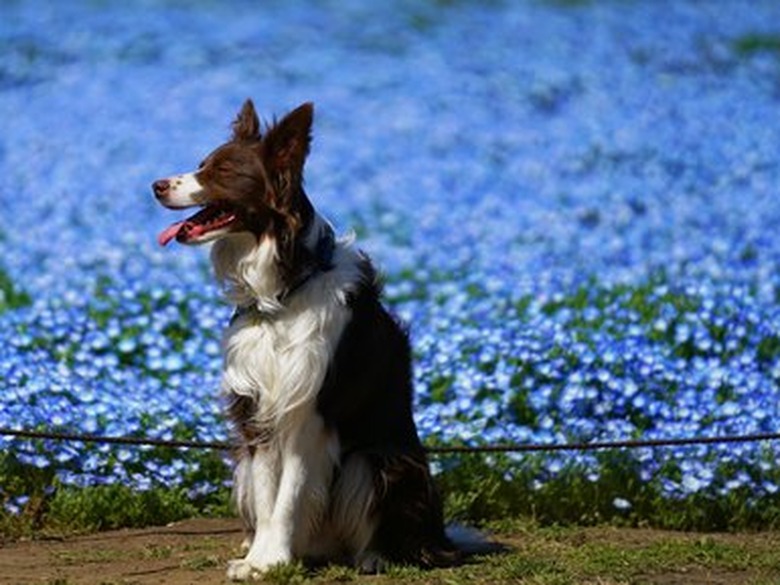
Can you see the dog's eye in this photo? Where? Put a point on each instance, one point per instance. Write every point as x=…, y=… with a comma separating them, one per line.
x=202, y=164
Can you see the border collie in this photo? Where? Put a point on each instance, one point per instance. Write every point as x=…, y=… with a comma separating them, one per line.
x=317, y=374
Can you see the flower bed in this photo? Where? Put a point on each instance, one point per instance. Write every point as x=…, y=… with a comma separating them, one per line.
x=575, y=207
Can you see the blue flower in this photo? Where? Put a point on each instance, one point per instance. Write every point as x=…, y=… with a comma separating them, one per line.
x=573, y=264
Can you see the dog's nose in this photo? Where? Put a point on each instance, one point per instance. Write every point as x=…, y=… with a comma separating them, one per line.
x=161, y=187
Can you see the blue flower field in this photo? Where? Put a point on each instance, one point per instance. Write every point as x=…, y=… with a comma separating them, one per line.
x=575, y=204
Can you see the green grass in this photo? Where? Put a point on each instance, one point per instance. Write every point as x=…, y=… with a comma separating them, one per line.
x=11, y=296
x=74, y=511
x=751, y=44
x=476, y=491
x=201, y=562
x=568, y=556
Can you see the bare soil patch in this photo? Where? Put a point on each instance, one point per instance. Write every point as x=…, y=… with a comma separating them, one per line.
x=192, y=551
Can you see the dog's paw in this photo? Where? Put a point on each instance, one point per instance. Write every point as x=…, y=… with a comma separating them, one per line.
x=242, y=570
x=255, y=565
x=371, y=563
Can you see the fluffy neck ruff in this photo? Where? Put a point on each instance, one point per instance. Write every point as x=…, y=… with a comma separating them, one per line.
x=254, y=275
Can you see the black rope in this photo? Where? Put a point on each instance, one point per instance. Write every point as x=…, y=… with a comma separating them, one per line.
x=138, y=441
x=606, y=445
x=434, y=450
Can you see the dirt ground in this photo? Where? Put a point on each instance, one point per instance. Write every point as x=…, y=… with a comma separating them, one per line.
x=196, y=551
x=192, y=551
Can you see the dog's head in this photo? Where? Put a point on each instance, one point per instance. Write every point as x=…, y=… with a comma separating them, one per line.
x=252, y=183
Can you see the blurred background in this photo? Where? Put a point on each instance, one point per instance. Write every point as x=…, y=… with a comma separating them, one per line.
x=574, y=203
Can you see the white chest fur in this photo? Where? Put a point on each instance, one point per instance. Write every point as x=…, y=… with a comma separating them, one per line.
x=282, y=362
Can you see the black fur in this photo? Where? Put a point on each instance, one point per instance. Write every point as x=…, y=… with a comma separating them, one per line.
x=367, y=398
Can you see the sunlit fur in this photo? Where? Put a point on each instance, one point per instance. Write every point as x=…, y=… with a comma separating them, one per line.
x=317, y=375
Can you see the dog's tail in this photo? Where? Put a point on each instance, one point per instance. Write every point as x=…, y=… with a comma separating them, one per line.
x=469, y=541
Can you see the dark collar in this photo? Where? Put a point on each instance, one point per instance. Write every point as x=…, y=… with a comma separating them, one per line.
x=322, y=262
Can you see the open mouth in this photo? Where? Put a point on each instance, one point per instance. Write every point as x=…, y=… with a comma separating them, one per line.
x=197, y=228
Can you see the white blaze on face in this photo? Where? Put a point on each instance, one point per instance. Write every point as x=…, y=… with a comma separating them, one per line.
x=183, y=191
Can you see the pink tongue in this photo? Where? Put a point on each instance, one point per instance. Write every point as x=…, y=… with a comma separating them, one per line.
x=169, y=233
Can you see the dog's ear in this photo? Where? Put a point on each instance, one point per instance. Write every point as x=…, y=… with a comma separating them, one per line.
x=287, y=142
x=246, y=126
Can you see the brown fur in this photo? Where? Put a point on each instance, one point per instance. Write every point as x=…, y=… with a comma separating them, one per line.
x=260, y=177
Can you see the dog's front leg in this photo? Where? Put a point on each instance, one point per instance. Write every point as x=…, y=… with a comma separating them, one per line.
x=256, y=482
x=308, y=454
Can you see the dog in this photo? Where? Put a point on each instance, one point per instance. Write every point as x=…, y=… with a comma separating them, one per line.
x=317, y=375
